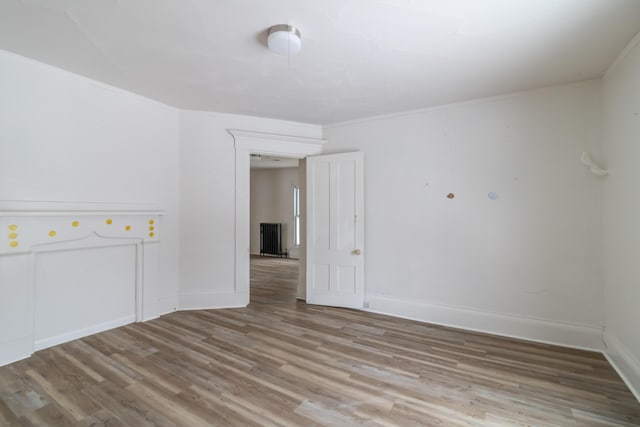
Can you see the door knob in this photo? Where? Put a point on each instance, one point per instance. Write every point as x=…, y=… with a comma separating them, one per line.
x=356, y=252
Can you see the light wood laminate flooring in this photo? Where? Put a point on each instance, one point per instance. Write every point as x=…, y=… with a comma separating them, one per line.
x=273, y=280
x=281, y=362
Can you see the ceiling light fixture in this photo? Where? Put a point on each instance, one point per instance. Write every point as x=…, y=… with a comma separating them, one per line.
x=284, y=39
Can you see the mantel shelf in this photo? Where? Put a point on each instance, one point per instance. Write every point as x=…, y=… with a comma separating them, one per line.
x=57, y=208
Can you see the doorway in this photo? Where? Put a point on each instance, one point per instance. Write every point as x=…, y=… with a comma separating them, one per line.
x=247, y=142
x=274, y=227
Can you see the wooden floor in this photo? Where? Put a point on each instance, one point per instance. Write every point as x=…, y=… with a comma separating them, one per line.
x=273, y=280
x=278, y=362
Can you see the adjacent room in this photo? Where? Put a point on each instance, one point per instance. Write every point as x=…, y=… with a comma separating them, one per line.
x=274, y=206
x=319, y=213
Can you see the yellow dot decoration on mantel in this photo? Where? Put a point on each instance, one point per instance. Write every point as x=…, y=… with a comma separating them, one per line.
x=128, y=228
x=151, y=228
x=109, y=221
x=151, y=222
x=13, y=235
x=75, y=223
x=151, y=234
x=52, y=233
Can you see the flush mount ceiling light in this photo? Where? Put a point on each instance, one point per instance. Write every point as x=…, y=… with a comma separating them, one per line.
x=284, y=39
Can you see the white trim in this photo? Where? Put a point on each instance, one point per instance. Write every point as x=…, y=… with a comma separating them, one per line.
x=624, y=362
x=247, y=142
x=91, y=240
x=622, y=55
x=167, y=305
x=49, y=208
x=14, y=350
x=80, y=333
x=585, y=337
x=204, y=300
x=276, y=145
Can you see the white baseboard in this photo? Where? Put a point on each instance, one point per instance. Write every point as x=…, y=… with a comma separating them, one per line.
x=167, y=305
x=624, y=362
x=79, y=333
x=150, y=311
x=203, y=300
x=15, y=350
x=586, y=337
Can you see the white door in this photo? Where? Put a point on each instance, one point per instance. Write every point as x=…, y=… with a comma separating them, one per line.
x=335, y=230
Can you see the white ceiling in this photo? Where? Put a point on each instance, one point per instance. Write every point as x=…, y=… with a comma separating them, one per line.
x=359, y=57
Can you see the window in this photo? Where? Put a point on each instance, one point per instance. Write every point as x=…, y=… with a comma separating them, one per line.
x=296, y=216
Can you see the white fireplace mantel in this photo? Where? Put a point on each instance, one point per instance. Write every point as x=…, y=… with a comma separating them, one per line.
x=71, y=269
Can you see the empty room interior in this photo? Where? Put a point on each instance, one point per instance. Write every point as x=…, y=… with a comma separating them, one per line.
x=320, y=213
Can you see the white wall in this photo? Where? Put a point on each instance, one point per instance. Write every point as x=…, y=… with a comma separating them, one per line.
x=528, y=264
x=208, y=197
x=272, y=201
x=622, y=213
x=68, y=138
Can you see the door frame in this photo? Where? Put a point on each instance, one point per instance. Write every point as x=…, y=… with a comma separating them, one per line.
x=268, y=144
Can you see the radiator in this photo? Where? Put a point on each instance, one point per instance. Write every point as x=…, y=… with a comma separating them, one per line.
x=271, y=239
